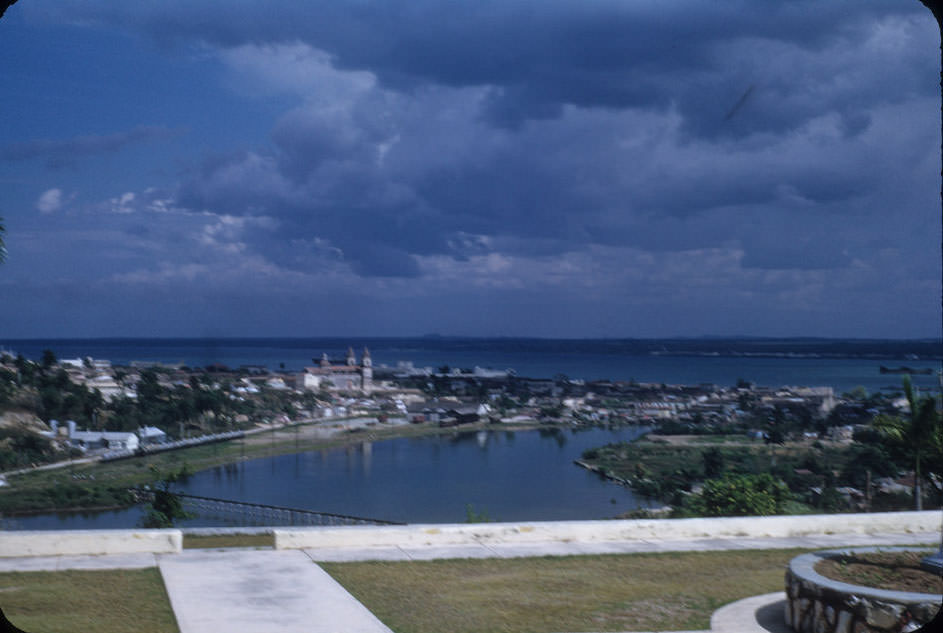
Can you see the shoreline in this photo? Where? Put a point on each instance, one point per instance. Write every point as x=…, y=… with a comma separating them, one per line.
x=285, y=440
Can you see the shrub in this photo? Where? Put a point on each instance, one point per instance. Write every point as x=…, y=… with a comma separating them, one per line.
x=741, y=495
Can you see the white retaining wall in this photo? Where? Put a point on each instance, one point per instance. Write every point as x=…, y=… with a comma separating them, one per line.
x=590, y=531
x=89, y=542
x=97, y=542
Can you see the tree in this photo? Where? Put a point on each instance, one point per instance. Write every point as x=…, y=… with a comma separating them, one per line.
x=25, y=371
x=7, y=385
x=775, y=436
x=713, y=462
x=49, y=359
x=164, y=510
x=866, y=458
x=858, y=393
x=742, y=495
x=472, y=516
x=831, y=501
x=918, y=436
x=166, y=506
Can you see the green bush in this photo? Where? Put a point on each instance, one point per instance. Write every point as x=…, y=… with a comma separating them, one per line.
x=740, y=495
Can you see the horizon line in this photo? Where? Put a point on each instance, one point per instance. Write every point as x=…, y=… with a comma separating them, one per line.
x=704, y=337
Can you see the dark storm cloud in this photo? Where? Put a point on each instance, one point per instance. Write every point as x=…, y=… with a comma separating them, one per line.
x=555, y=185
x=814, y=256
x=383, y=261
x=65, y=152
x=238, y=183
x=699, y=57
x=576, y=154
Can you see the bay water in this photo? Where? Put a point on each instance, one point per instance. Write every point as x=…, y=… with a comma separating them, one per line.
x=506, y=475
x=775, y=362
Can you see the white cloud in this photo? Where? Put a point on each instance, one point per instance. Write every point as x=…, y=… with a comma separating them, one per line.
x=49, y=201
x=123, y=203
x=295, y=69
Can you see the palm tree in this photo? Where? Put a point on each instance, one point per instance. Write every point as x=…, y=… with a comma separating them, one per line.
x=919, y=435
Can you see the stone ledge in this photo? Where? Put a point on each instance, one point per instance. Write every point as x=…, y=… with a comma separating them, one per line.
x=816, y=604
x=803, y=567
x=89, y=542
x=594, y=531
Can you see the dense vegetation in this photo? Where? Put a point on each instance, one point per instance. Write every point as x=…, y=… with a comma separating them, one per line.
x=681, y=475
x=21, y=447
x=46, y=390
x=721, y=471
x=204, y=403
x=43, y=391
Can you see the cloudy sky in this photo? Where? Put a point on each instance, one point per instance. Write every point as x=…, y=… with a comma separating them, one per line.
x=553, y=168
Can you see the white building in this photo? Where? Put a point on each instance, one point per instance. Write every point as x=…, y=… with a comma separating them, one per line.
x=112, y=440
x=151, y=435
x=349, y=376
x=106, y=385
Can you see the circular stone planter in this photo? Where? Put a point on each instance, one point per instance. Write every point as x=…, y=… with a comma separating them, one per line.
x=816, y=604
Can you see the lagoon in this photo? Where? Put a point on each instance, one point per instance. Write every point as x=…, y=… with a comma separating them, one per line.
x=507, y=475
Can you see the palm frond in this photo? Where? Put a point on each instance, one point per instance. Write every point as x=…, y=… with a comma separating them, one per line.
x=892, y=427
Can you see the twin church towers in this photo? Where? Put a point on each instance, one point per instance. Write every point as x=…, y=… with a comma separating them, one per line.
x=349, y=376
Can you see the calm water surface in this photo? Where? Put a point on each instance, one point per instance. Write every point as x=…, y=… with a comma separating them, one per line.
x=511, y=476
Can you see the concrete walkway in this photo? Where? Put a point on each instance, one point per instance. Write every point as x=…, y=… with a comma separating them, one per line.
x=757, y=614
x=257, y=591
x=285, y=591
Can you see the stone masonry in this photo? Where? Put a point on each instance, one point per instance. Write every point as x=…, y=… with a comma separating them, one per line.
x=815, y=604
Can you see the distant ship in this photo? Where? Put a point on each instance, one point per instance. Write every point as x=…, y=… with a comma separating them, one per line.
x=906, y=370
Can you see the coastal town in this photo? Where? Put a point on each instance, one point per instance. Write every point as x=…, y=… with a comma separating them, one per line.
x=63, y=411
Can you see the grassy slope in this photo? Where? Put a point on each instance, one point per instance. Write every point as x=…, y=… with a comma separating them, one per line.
x=638, y=592
x=113, y=601
x=258, y=541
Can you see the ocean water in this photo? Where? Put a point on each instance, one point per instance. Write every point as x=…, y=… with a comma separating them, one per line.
x=769, y=362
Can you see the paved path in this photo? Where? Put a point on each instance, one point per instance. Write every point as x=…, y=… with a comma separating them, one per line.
x=257, y=591
x=757, y=614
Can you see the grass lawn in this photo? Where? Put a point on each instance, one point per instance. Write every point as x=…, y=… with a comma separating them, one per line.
x=193, y=541
x=634, y=592
x=104, y=601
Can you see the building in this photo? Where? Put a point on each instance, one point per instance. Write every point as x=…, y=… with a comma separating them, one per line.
x=91, y=440
x=106, y=385
x=151, y=435
x=347, y=376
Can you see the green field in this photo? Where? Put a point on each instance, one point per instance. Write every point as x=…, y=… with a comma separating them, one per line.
x=104, y=601
x=634, y=592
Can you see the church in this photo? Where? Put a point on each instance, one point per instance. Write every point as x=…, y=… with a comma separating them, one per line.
x=347, y=376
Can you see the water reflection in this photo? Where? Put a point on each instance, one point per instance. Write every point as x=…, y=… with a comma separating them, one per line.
x=524, y=475
x=366, y=449
x=557, y=434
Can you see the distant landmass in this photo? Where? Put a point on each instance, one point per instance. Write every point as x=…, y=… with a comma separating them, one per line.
x=796, y=347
